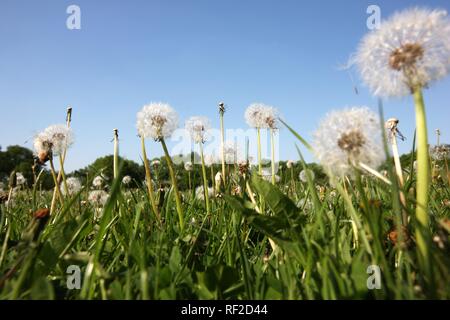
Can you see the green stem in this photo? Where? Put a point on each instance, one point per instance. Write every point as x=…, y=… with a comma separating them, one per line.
x=148, y=177
x=63, y=175
x=174, y=183
x=205, y=180
x=116, y=153
x=222, y=132
x=57, y=190
x=258, y=133
x=272, y=138
x=423, y=177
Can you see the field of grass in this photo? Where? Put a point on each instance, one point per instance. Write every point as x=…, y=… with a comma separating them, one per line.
x=292, y=240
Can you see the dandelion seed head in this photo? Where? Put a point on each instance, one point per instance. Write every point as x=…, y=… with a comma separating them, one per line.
x=53, y=140
x=157, y=121
x=347, y=137
x=441, y=152
x=303, y=176
x=198, y=128
x=73, y=186
x=410, y=49
x=98, y=182
x=126, y=180
x=20, y=179
x=270, y=116
x=290, y=164
x=200, y=193
x=98, y=197
x=156, y=163
x=188, y=166
x=255, y=115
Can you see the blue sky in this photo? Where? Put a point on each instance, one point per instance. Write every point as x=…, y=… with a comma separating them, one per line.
x=191, y=54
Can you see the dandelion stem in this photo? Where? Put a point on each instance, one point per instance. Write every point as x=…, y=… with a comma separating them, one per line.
x=63, y=174
x=174, y=183
x=57, y=190
x=205, y=180
x=148, y=177
x=423, y=177
x=258, y=133
x=272, y=138
x=116, y=153
x=222, y=135
x=374, y=172
x=399, y=171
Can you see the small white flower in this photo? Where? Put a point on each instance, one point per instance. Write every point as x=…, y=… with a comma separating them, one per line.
x=188, y=166
x=303, y=175
x=290, y=164
x=98, y=182
x=156, y=163
x=349, y=137
x=200, y=194
x=410, y=49
x=55, y=139
x=126, y=180
x=305, y=204
x=73, y=186
x=98, y=197
x=20, y=179
x=157, y=121
x=198, y=128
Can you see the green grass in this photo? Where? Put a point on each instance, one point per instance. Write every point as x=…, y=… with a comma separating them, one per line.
x=268, y=249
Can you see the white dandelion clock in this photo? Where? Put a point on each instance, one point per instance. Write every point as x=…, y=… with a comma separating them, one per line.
x=348, y=138
x=270, y=116
x=198, y=128
x=98, y=197
x=290, y=164
x=303, y=176
x=53, y=141
x=188, y=166
x=200, y=193
x=73, y=186
x=98, y=182
x=126, y=180
x=255, y=115
x=20, y=179
x=157, y=121
x=155, y=164
x=61, y=138
x=409, y=50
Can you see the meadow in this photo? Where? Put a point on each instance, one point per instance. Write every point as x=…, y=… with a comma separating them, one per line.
x=363, y=223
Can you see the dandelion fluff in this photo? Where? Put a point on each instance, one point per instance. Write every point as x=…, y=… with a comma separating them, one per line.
x=55, y=139
x=157, y=121
x=198, y=128
x=348, y=137
x=410, y=49
x=303, y=175
x=73, y=186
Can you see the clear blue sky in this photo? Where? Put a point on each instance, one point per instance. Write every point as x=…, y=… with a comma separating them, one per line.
x=191, y=54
